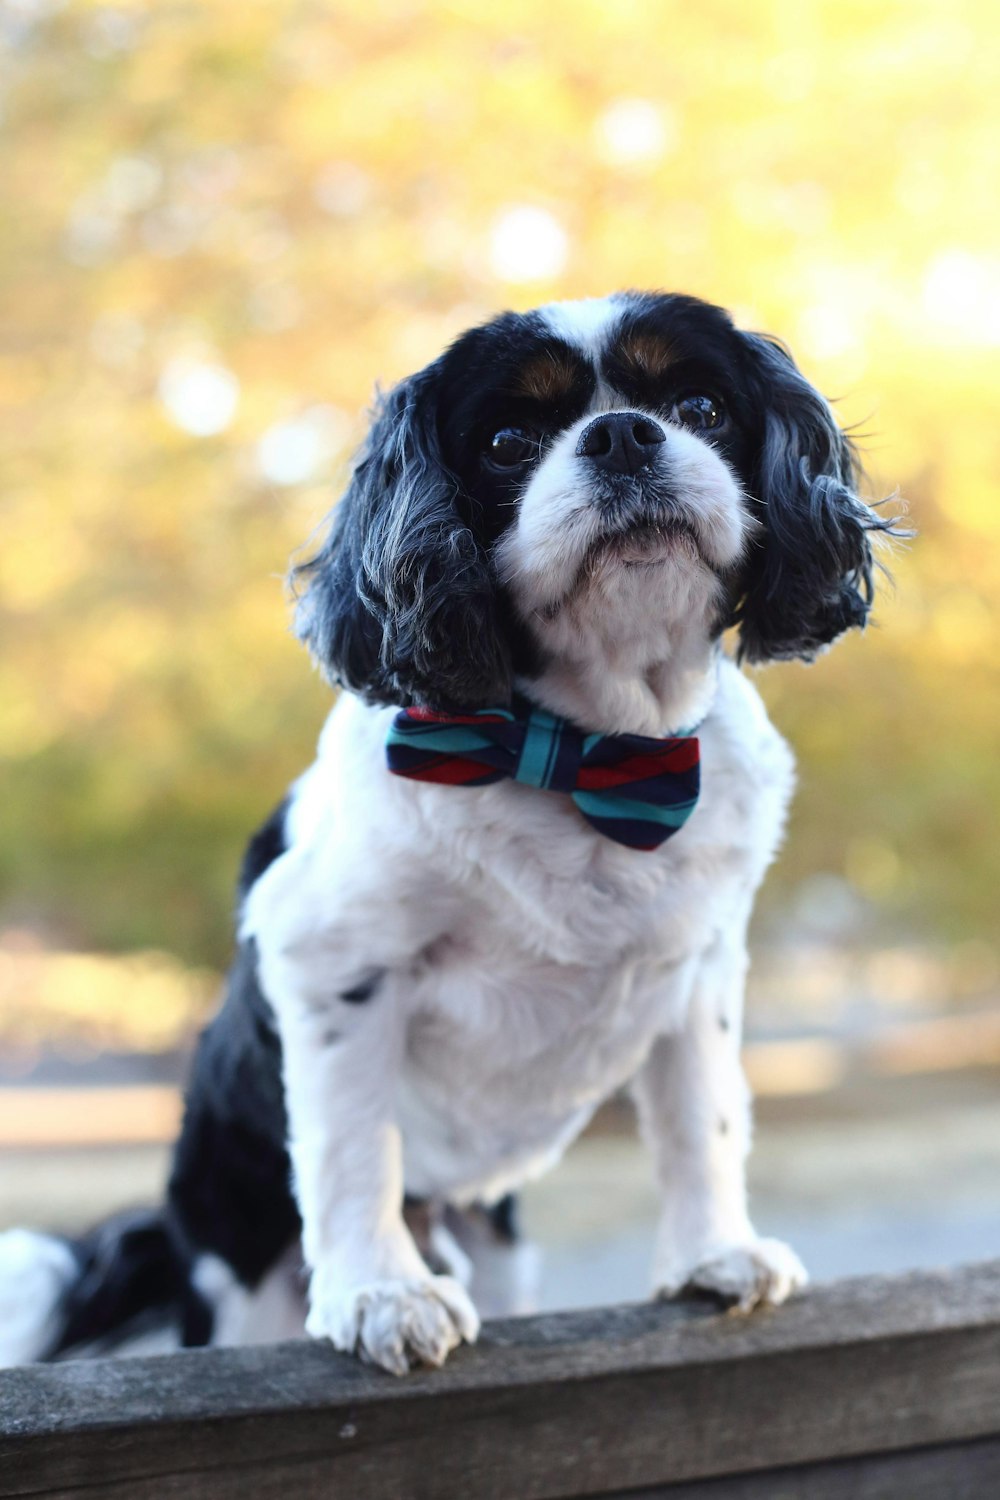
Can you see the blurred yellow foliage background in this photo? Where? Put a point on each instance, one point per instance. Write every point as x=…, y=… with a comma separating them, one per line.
x=223, y=222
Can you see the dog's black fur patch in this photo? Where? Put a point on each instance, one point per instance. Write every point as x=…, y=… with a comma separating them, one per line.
x=229, y=1192
x=264, y=848
x=364, y=989
x=504, y=1216
x=132, y=1278
x=230, y=1188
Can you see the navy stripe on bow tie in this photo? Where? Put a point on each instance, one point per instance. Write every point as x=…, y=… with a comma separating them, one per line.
x=634, y=789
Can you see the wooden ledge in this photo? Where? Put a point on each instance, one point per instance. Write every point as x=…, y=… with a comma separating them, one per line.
x=872, y=1387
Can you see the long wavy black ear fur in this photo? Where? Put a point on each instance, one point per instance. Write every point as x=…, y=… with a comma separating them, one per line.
x=809, y=570
x=399, y=604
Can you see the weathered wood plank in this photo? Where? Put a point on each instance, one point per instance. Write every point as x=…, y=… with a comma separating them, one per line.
x=581, y=1404
x=957, y=1471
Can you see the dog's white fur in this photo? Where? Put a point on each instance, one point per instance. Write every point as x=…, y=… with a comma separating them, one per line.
x=527, y=966
x=35, y=1270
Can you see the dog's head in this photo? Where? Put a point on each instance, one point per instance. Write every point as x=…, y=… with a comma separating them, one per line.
x=603, y=476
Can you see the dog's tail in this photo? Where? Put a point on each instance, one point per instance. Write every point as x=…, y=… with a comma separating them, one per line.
x=124, y=1282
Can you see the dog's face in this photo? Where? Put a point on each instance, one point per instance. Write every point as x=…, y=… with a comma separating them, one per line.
x=602, y=476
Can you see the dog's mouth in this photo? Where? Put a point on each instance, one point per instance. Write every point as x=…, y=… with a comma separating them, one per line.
x=646, y=543
x=649, y=543
x=642, y=522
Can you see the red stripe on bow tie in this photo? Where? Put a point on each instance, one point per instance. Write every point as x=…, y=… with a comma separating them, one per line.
x=446, y=770
x=680, y=757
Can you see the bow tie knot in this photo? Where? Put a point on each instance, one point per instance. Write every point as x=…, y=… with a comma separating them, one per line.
x=634, y=789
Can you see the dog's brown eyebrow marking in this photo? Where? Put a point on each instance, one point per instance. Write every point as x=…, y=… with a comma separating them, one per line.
x=644, y=352
x=550, y=375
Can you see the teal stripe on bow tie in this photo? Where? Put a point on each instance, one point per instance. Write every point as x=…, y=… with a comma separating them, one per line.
x=541, y=736
x=600, y=805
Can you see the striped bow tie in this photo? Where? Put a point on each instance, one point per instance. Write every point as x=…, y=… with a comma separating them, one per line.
x=635, y=790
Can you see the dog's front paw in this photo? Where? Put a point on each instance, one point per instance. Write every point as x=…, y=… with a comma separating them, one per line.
x=758, y=1271
x=396, y=1324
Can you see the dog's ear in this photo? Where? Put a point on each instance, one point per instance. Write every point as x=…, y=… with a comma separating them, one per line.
x=808, y=573
x=399, y=604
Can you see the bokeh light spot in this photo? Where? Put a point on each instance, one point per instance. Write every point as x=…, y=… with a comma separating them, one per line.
x=342, y=189
x=632, y=132
x=199, y=397
x=961, y=296
x=527, y=244
x=294, y=452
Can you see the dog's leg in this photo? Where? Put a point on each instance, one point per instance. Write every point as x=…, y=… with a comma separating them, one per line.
x=370, y=1291
x=342, y=1028
x=505, y=1269
x=694, y=1106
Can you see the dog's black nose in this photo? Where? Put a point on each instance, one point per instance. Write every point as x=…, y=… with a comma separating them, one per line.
x=622, y=441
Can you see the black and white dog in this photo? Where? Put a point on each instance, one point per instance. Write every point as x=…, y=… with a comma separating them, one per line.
x=436, y=985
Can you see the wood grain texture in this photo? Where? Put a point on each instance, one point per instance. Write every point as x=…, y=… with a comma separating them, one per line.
x=582, y=1404
x=957, y=1471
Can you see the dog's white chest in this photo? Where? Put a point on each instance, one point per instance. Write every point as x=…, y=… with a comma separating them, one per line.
x=543, y=997
x=530, y=961
x=508, y=1054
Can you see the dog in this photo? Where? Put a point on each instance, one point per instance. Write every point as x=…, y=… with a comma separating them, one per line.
x=546, y=536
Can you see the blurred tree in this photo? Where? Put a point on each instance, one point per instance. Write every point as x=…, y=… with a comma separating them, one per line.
x=225, y=221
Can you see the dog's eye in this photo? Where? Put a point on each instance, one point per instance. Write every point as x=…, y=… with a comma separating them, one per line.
x=699, y=412
x=511, y=446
